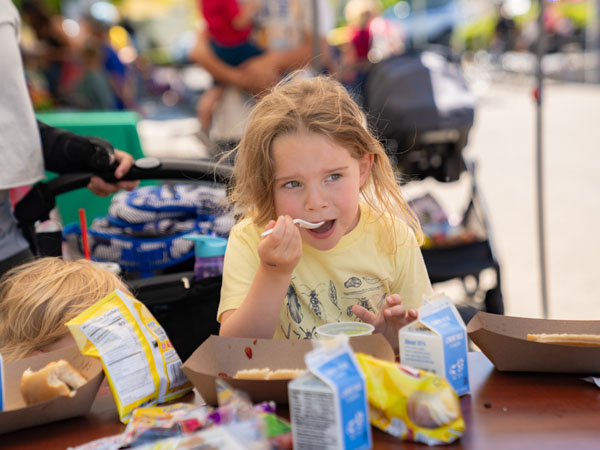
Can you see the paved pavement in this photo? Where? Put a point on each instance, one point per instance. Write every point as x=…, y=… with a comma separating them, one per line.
x=503, y=141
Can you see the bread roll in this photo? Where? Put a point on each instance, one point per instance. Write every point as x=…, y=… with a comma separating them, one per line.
x=585, y=340
x=433, y=410
x=58, y=378
x=284, y=374
x=267, y=374
x=252, y=374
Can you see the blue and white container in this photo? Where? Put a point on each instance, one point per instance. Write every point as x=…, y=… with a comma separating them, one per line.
x=328, y=404
x=437, y=342
x=210, y=254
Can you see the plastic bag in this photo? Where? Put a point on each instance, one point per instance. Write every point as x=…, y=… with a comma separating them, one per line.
x=139, y=361
x=411, y=404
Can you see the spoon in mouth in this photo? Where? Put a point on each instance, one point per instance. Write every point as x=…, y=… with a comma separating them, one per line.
x=300, y=222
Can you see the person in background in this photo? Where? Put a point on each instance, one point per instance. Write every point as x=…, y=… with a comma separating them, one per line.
x=505, y=32
x=118, y=74
x=39, y=297
x=307, y=153
x=93, y=91
x=354, y=62
x=56, y=50
x=285, y=31
x=27, y=147
x=228, y=25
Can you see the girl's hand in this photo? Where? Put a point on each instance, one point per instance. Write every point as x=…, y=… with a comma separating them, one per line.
x=281, y=250
x=389, y=320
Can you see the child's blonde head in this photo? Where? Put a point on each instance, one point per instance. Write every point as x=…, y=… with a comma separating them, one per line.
x=318, y=105
x=37, y=298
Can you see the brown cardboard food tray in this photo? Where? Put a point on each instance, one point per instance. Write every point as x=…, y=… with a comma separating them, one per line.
x=18, y=415
x=503, y=339
x=224, y=356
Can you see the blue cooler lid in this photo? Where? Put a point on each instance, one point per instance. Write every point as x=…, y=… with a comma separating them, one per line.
x=207, y=246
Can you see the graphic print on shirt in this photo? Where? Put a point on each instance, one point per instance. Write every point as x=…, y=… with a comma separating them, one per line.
x=315, y=302
x=306, y=334
x=370, y=294
x=308, y=306
x=293, y=304
x=333, y=294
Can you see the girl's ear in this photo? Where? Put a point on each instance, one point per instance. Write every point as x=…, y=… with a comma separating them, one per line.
x=365, y=165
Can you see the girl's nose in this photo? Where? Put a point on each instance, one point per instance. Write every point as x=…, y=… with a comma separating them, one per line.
x=315, y=200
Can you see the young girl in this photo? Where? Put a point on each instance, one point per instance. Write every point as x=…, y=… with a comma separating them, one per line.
x=307, y=154
x=38, y=298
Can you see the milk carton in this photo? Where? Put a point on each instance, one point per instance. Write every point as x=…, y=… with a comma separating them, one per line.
x=328, y=403
x=437, y=342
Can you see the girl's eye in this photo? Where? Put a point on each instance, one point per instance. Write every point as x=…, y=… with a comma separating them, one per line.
x=291, y=184
x=334, y=176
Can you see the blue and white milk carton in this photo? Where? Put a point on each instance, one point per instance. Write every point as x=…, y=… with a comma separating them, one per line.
x=437, y=342
x=328, y=403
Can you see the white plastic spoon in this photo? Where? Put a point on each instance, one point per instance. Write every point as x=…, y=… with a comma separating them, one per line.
x=302, y=223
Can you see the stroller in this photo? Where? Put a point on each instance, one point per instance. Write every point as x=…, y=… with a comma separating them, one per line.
x=184, y=306
x=421, y=107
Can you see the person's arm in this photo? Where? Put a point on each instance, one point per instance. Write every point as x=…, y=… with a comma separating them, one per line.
x=203, y=55
x=258, y=315
x=262, y=75
x=67, y=152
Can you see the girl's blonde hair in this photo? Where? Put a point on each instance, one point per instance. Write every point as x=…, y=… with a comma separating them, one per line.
x=39, y=297
x=318, y=105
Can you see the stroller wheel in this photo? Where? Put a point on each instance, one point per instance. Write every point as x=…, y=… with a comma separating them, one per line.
x=494, y=302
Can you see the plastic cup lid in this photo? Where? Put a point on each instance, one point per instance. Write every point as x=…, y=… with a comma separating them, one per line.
x=207, y=246
x=348, y=328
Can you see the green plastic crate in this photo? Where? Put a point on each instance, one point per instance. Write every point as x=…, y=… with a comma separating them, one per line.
x=119, y=128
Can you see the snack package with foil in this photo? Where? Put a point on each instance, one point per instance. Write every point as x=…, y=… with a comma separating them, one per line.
x=155, y=423
x=236, y=407
x=410, y=403
x=139, y=361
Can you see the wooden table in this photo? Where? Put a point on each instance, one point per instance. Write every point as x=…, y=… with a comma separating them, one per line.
x=504, y=411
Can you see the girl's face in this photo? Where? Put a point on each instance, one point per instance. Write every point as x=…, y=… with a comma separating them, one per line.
x=317, y=180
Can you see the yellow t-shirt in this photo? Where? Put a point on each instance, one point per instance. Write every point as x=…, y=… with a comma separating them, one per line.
x=326, y=284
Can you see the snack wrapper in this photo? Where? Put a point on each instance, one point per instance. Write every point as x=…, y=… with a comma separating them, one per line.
x=411, y=404
x=235, y=425
x=140, y=363
x=155, y=423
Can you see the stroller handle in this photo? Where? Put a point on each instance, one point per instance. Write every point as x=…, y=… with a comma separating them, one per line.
x=147, y=169
x=38, y=203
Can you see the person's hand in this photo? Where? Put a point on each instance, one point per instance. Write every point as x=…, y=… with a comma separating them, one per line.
x=100, y=187
x=281, y=250
x=390, y=318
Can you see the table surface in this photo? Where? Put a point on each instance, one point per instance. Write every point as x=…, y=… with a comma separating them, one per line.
x=504, y=411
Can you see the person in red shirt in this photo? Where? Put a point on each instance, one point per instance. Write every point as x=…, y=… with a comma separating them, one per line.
x=355, y=62
x=228, y=25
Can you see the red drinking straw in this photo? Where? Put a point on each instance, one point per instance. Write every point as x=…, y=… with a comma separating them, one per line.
x=84, y=234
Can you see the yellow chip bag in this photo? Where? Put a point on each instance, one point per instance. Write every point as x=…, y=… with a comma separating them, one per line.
x=411, y=404
x=139, y=361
